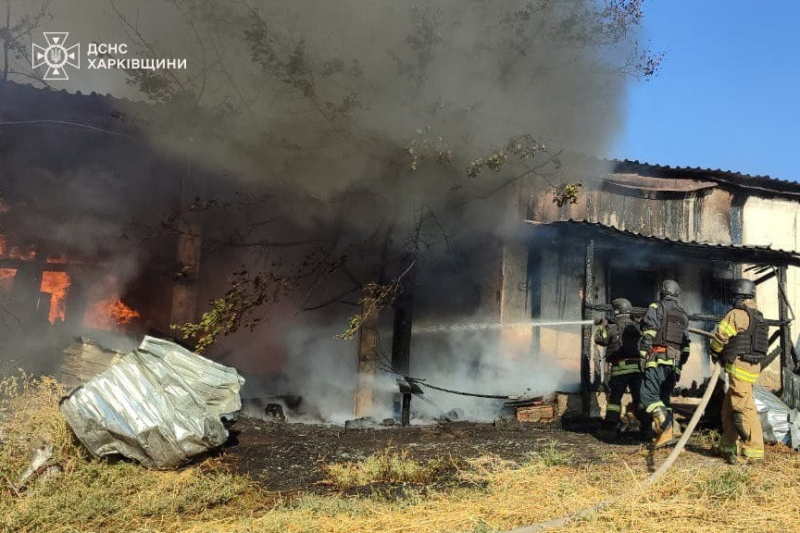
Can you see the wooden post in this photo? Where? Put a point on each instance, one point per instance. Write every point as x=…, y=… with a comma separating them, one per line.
x=187, y=257
x=405, y=417
x=783, y=315
x=367, y=355
x=586, y=338
x=789, y=380
x=516, y=344
x=401, y=344
x=403, y=320
x=184, y=292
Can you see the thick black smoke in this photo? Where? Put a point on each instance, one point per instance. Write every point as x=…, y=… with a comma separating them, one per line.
x=340, y=133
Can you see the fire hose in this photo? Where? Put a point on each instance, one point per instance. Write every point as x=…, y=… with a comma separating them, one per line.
x=666, y=465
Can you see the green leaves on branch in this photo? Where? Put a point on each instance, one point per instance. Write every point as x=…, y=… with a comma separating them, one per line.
x=233, y=311
x=375, y=298
x=567, y=193
x=518, y=148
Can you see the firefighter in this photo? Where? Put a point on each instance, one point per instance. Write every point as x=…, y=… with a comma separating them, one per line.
x=620, y=337
x=740, y=341
x=664, y=346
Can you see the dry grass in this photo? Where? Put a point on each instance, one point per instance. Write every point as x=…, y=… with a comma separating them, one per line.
x=700, y=494
x=95, y=495
x=387, y=467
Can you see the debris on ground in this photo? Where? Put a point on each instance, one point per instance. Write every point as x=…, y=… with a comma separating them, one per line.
x=366, y=422
x=274, y=412
x=161, y=405
x=779, y=422
x=42, y=454
x=83, y=360
x=277, y=408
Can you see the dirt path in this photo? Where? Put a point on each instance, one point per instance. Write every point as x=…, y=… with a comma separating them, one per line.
x=288, y=457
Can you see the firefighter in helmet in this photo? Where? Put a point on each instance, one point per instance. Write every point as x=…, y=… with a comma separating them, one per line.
x=740, y=341
x=665, y=348
x=620, y=337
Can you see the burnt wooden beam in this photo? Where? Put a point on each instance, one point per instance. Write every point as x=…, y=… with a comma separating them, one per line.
x=783, y=315
x=774, y=354
x=16, y=264
x=405, y=413
x=775, y=335
x=586, y=338
x=188, y=250
x=765, y=277
x=403, y=320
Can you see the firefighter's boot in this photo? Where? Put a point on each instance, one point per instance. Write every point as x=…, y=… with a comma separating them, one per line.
x=731, y=458
x=662, y=425
x=676, y=429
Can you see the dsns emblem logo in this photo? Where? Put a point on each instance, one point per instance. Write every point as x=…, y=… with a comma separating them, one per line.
x=56, y=56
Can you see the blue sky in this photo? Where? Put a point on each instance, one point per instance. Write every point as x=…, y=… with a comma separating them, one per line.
x=728, y=95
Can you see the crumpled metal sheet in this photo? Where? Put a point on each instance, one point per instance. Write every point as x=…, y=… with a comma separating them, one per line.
x=778, y=421
x=161, y=405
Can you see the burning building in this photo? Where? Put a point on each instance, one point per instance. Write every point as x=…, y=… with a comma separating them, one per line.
x=634, y=226
x=103, y=232
x=77, y=182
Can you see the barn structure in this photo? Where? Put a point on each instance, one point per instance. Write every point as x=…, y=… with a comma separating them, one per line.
x=65, y=252
x=634, y=227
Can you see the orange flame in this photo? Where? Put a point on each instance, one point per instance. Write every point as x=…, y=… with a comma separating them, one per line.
x=108, y=314
x=23, y=254
x=56, y=283
x=7, y=278
x=60, y=259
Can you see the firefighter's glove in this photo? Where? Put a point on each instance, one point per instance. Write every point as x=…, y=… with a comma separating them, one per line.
x=600, y=321
x=645, y=345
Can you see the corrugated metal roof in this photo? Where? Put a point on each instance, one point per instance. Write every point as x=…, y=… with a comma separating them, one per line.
x=764, y=250
x=763, y=182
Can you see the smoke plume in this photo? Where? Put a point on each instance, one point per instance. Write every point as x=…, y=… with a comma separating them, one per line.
x=338, y=134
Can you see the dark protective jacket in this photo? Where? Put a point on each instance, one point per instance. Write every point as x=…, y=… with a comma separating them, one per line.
x=742, y=333
x=620, y=337
x=665, y=329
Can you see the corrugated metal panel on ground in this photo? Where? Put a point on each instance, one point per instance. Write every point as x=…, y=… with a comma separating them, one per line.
x=160, y=405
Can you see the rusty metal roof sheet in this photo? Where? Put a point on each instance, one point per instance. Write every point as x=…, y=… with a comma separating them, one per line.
x=761, y=183
x=756, y=252
x=653, y=184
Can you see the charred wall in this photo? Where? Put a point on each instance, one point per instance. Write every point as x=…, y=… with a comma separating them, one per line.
x=702, y=215
x=82, y=208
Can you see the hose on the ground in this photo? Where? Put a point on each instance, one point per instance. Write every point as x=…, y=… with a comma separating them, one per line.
x=563, y=521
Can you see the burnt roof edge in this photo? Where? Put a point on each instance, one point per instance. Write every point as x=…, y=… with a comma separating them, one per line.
x=778, y=257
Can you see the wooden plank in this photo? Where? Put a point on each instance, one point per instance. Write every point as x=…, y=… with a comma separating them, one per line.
x=83, y=360
x=367, y=355
x=536, y=413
